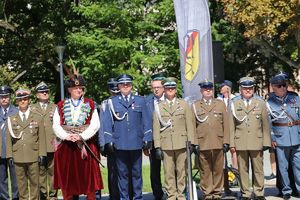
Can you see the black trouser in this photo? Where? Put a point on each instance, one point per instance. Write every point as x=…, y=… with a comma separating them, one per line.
x=155, y=166
x=112, y=172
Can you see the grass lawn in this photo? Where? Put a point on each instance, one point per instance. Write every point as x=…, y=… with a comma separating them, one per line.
x=146, y=179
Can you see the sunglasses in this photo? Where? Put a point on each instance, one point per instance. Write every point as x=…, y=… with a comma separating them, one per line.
x=280, y=85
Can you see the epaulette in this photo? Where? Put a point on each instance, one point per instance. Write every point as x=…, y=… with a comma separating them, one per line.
x=257, y=97
x=117, y=96
x=292, y=93
x=269, y=94
x=236, y=98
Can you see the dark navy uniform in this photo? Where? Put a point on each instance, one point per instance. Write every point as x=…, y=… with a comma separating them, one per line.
x=129, y=131
x=112, y=172
x=155, y=164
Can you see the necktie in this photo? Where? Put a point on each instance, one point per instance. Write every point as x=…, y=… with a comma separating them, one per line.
x=171, y=105
x=247, y=103
x=44, y=106
x=24, y=117
x=126, y=99
x=5, y=111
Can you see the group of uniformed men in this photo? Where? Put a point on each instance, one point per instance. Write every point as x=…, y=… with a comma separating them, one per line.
x=60, y=142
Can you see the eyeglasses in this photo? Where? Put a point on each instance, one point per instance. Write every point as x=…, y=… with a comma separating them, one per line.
x=280, y=85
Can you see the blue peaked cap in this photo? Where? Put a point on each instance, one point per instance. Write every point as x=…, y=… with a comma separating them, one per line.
x=226, y=83
x=206, y=84
x=279, y=78
x=125, y=78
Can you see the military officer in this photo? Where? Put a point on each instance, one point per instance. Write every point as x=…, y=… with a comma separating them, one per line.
x=127, y=134
x=173, y=125
x=212, y=138
x=112, y=172
x=45, y=110
x=26, y=146
x=155, y=164
x=6, y=110
x=250, y=136
x=284, y=111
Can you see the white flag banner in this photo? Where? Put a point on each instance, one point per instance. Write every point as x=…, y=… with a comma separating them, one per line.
x=195, y=43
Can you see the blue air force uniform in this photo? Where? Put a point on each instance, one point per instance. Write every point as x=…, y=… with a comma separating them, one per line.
x=112, y=172
x=129, y=130
x=133, y=129
x=4, y=165
x=285, y=116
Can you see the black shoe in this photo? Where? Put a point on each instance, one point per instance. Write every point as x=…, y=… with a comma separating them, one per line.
x=245, y=198
x=272, y=176
x=260, y=198
x=286, y=196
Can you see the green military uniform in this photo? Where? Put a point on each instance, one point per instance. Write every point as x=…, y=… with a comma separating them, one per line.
x=46, y=172
x=251, y=134
x=172, y=127
x=212, y=132
x=25, y=143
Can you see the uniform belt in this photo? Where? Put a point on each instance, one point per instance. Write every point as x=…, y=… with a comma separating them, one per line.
x=293, y=123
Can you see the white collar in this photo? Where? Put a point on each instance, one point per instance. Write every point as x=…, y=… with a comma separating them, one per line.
x=26, y=113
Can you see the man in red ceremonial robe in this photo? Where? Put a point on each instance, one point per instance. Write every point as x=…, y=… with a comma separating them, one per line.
x=76, y=170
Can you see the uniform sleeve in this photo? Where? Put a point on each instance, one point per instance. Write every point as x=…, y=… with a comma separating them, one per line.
x=93, y=127
x=231, y=128
x=156, y=131
x=107, y=123
x=101, y=141
x=226, y=129
x=42, y=139
x=8, y=142
x=190, y=124
x=147, y=122
x=57, y=128
x=194, y=119
x=266, y=126
x=270, y=122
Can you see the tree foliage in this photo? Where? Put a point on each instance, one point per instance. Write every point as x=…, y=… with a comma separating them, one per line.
x=103, y=38
x=274, y=25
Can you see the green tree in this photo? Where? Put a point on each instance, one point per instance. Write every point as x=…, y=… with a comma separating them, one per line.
x=273, y=25
x=103, y=38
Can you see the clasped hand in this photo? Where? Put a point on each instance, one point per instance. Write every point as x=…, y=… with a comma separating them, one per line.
x=73, y=137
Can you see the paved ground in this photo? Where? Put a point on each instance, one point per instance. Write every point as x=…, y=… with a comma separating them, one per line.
x=271, y=191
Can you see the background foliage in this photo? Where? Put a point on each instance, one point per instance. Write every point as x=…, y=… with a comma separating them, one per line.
x=106, y=38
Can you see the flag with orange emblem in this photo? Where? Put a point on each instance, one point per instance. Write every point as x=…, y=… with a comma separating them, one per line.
x=195, y=43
